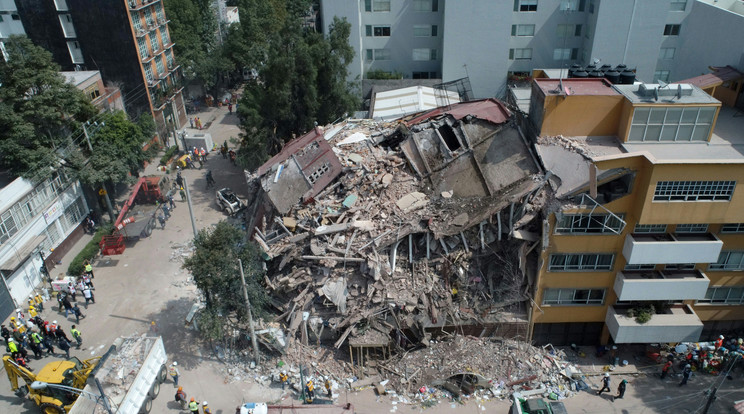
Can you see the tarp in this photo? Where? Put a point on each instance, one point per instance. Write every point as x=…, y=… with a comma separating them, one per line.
x=336, y=292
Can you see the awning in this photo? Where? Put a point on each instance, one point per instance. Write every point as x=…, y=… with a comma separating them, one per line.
x=21, y=254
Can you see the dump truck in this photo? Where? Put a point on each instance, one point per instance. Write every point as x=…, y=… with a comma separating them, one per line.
x=53, y=398
x=138, y=216
x=537, y=406
x=129, y=375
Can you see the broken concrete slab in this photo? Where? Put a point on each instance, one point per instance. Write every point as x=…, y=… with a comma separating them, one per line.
x=332, y=228
x=412, y=201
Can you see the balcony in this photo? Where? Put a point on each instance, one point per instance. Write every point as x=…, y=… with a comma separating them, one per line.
x=671, y=248
x=661, y=285
x=678, y=324
x=140, y=4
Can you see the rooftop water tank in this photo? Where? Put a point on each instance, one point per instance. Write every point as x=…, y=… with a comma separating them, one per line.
x=613, y=76
x=621, y=67
x=605, y=68
x=627, y=77
x=580, y=74
x=573, y=70
x=596, y=74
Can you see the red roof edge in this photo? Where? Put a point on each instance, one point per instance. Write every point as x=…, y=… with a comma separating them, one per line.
x=489, y=109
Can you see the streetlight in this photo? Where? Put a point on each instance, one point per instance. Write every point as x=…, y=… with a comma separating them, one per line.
x=99, y=399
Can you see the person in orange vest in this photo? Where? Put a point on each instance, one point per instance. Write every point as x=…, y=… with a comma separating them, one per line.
x=181, y=397
x=719, y=342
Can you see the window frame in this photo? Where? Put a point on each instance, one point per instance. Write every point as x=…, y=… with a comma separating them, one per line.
x=723, y=265
x=584, y=221
x=674, y=5
x=375, y=54
x=525, y=6
x=425, y=30
x=571, y=298
x=694, y=191
x=515, y=30
x=373, y=6
x=513, y=53
x=712, y=291
x=650, y=228
x=634, y=267
x=580, y=262
x=691, y=228
x=371, y=30
x=425, y=5
x=739, y=228
x=674, y=122
x=672, y=29
x=664, y=55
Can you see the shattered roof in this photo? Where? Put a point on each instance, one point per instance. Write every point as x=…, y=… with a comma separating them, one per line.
x=487, y=109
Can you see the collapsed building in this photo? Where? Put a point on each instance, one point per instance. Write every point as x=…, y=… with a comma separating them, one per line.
x=384, y=235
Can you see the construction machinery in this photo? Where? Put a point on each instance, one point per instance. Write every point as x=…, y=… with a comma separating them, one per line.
x=71, y=373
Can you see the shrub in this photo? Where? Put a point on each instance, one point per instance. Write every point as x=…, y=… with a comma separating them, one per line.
x=641, y=313
x=169, y=153
x=381, y=74
x=90, y=251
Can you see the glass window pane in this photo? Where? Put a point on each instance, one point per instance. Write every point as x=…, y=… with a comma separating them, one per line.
x=653, y=132
x=689, y=115
x=581, y=295
x=735, y=294
x=551, y=295
x=668, y=133
x=684, y=133
x=596, y=294
x=657, y=116
x=673, y=115
x=720, y=295
x=701, y=133
x=734, y=260
x=640, y=116
x=636, y=133
x=706, y=115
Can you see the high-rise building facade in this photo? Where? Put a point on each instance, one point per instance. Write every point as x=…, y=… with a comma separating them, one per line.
x=490, y=41
x=126, y=40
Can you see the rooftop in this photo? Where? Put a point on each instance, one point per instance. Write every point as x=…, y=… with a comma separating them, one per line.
x=726, y=144
x=734, y=6
x=720, y=75
x=597, y=87
x=80, y=76
x=650, y=93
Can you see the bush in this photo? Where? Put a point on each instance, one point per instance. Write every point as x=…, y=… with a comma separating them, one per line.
x=169, y=153
x=90, y=251
x=641, y=313
x=381, y=74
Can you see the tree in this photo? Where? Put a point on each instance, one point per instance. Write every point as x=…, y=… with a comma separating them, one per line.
x=302, y=81
x=117, y=149
x=214, y=266
x=38, y=110
x=195, y=30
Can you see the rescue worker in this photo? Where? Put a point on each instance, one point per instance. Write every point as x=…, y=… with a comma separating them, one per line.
x=4, y=332
x=309, y=392
x=193, y=406
x=89, y=269
x=327, y=385
x=205, y=408
x=174, y=373
x=665, y=369
x=605, y=384
x=283, y=378
x=210, y=179
x=39, y=302
x=77, y=336
x=35, y=344
x=719, y=342
x=181, y=397
x=32, y=311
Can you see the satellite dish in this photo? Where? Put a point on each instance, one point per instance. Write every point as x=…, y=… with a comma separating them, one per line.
x=663, y=84
x=656, y=94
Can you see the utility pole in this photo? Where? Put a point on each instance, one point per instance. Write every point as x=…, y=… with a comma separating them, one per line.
x=711, y=398
x=191, y=210
x=112, y=217
x=250, y=314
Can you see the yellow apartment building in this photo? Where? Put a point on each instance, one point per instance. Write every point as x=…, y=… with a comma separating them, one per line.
x=648, y=182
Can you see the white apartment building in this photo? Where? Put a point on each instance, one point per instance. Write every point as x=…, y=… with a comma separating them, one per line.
x=10, y=23
x=34, y=222
x=488, y=40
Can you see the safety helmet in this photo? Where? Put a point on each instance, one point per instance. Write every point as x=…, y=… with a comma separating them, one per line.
x=192, y=399
x=175, y=363
x=11, y=340
x=687, y=366
x=180, y=388
x=54, y=322
x=720, y=337
x=607, y=374
x=284, y=371
x=12, y=318
x=18, y=310
x=205, y=403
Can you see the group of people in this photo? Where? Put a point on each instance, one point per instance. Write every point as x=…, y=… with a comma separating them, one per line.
x=309, y=386
x=37, y=334
x=195, y=122
x=606, y=387
x=181, y=398
x=228, y=153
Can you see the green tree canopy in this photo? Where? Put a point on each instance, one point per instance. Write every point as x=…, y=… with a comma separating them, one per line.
x=38, y=110
x=302, y=81
x=214, y=266
x=117, y=149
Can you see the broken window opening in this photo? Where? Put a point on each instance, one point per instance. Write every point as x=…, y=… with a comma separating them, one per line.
x=611, y=188
x=319, y=172
x=449, y=137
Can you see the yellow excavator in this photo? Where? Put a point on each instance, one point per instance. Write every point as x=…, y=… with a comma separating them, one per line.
x=52, y=400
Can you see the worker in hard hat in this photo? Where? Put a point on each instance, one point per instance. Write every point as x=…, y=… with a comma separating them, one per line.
x=205, y=408
x=309, y=392
x=193, y=406
x=327, y=385
x=283, y=378
x=181, y=397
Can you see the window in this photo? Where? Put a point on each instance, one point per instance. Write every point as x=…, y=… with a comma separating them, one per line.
x=159, y=65
x=565, y=54
x=525, y=5
x=568, y=30
x=639, y=267
x=677, y=5
x=148, y=73
x=15, y=17
x=667, y=53
x=424, y=75
x=572, y=5
x=136, y=21
x=671, y=30
x=76, y=55
x=142, y=47
x=169, y=58
x=377, y=5
x=728, y=260
x=733, y=295
x=92, y=92
x=591, y=6
x=424, y=54
x=661, y=75
x=378, y=54
x=425, y=5
x=61, y=5
x=164, y=36
x=589, y=224
x=573, y=296
x=671, y=123
x=520, y=54
x=588, y=31
x=650, y=228
x=732, y=228
x=73, y=214
x=691, y=228
x=377, y=31
x=424, y=30
x=694, y=190
x=580, y=261
x=523, y=30
x=679, y=266
x=154, y=42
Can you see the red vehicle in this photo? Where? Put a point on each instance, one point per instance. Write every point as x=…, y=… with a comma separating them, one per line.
x=138, y=215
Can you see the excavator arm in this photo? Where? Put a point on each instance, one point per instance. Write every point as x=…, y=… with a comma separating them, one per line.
x=16, y=371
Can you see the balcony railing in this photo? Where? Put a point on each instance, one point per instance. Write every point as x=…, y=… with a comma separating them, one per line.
x=140, y=4
x=661, y=285
x=678, y=324
x=665, y=248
